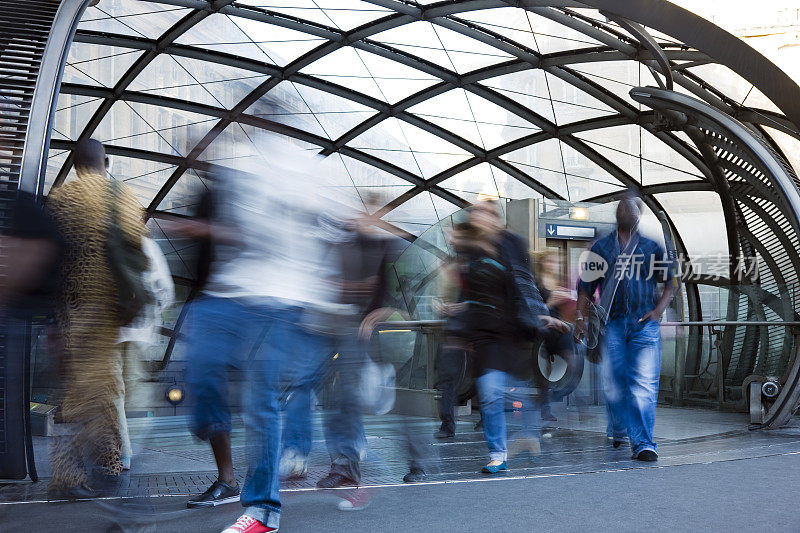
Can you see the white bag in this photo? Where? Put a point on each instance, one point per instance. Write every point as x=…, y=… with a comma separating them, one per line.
x=377, y=387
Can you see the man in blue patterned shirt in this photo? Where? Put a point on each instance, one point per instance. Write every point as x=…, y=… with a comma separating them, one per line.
x=632, y=268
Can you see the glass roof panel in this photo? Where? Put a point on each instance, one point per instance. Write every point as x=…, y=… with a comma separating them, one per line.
x=55, y=160
x=420, y=212
x=697, y=209
x=145, y=178
x=724, y=80
x=623, y=145
x=197, y=81
x=466, y=54
x=366, y=176
x=510, y=22
x=153, y=128
x=451, y=111
x=484, y=181
x=662, y=163
x=395, y=80
x=419, y=39
x=789, y=145
x=581, y=189
x=345, y=67
x=496, y=125
x=221, y=33
x=98, y=64
x=544, y=163
x=179, y=252
x=233, y=148
x=333, y=114
x=342, y=14
x=756, y=99
x=571, y=104
x=183, y=197
x=72, y=113
x=474, y=118
x=619, y=77
x=528, y=88
x=552, y=37
x=578, y=165
x=131, y=17
x=474, y=182
x=282, y=45
x=293, y=112
x=409, y=147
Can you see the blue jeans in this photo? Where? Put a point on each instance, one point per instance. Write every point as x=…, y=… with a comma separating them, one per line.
x=305, y=373
x=344, y=427
x=631, y=369
x=275, y=363
x=493, y=388
x=221, y=333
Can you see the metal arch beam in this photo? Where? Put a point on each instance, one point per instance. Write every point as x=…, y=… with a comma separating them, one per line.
x=327, y=146
x=433, y=69
x=398, y=21
x=33, y=164
x=638, y=31
x=714, y=41
x=661, y=188
x=685, y=78
x=371, y=102
x=396, y=55
x=770, y=119
x=167, y=38
x=292, y=69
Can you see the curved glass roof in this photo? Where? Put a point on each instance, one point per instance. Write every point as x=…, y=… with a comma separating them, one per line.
x=431, y=104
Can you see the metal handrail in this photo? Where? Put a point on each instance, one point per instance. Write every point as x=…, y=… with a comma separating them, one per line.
x=414, y=324
x=779, y=413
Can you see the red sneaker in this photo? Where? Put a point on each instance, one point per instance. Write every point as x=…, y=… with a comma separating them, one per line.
x=355, y=499
x=248, y=524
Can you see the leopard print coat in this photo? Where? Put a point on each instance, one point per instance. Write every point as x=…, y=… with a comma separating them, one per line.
x=90, y=325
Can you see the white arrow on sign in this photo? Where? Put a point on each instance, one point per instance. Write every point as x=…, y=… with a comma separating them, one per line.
x=551, y=229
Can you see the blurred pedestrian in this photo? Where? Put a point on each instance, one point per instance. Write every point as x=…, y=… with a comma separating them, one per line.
x=137, y=337
x=270, y=274
x=504, y=308
x=631, y=309
x=88, y=211
x=364, y=256
x=559, y=301
x=452, y=365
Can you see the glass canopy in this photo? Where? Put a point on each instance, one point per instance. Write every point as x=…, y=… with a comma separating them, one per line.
x=430, y=104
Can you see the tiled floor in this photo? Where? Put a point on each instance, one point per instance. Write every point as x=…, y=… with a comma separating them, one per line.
x=169, y=461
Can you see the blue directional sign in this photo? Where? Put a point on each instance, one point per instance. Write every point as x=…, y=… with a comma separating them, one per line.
x=568, y=231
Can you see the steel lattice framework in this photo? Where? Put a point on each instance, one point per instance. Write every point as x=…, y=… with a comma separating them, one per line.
x=145, y=78
x=616, y=45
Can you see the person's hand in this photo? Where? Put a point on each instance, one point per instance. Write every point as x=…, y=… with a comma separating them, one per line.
x=554, y=323
x=448, y=309
x=371, y=321
x=359, y=289
x=454, y=308
x=654, y=315
x=558, y=297
x=579, y=332
x=187, y=227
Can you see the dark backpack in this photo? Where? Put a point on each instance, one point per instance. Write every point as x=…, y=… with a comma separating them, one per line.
x=128, y=264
